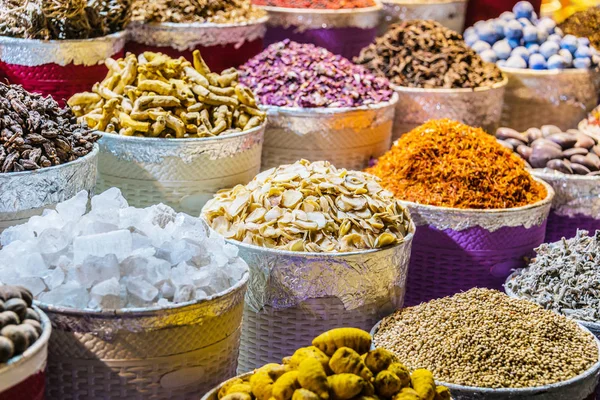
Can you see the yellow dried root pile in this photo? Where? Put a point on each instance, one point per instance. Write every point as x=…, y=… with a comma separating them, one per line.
x=338, y=366
x=154, y=95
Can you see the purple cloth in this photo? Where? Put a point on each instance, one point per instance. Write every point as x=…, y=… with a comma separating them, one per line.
x=346, y=42
x=445, y=262
x=560, y=226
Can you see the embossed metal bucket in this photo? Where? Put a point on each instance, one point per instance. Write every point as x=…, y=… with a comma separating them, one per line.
x=450, y=13
x=549, y=97
x=457, y=249
x=295, y=296
x=344, y=32
x=59, y=68
x=24, y=377
x=28, y=193
x=222, y=45
x=176, y=352
x=346, y=137
x=480, y=107
x=182, y=173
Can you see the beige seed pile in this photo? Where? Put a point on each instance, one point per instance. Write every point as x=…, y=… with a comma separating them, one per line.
x=484, y=338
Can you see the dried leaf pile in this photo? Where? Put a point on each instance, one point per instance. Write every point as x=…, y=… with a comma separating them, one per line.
x=188, y=11
x=36, y=133
x=310, y=207
x=425, y=54
x=154, y=95
x=449, y=164
x=63, y=19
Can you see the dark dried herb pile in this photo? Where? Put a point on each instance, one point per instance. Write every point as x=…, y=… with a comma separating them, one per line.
x=188, y=11
x=36, y=133
x=425, y=54
x=63, y=19
x=584, y=24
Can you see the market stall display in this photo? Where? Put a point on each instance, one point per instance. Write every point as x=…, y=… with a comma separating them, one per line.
x=479, y=212
x=488, y=356
x=339, y=364
x=584, y=24
x=57, y=48
x=200, y=131
x=449, y=13
x=24, y=333
x=118, y=282
x=340, y=26
x=45, y=155
x=227, y=32
x=326, y=248
x=320, y=106
x=552, y=78
x=436, y=76
x=570, y=162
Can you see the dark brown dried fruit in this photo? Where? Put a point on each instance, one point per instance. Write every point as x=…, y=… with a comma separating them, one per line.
x=32, y=315
x=17, y=337
x=8, y=318
x=18, y=306
x=6, y=349
x=9, y=292
x=35, y=324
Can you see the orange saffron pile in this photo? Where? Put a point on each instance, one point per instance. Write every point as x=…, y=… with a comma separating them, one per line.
x=449, y=164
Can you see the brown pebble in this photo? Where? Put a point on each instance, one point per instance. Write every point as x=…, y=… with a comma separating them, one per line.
x=559, y=165
x=6, y=349
x=593, y=159
x=17, y=337
x=564, y=140
x=575, y=150
x=508, y=133
x=18, y=306
x=584, y=141
x=596, y=150
x=506, y=144
x=548, y=130
x=516, y=143
x=36, y=325
x=533, y=134
x=544, y=143
x=541, y=155
x=524, y=151
x=579, y=169
x=584, y=160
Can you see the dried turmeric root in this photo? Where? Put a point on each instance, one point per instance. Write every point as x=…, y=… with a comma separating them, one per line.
x=309, y=352
x=407, y=394
x=387, y=384
x=345, y=386
x=442, y=393
x=240, y=388
x=346, y=360
x=356, y=339
x=379, y=359
x=225, y=389
x=312, y=376
x=284, y=387
x=304, y=394
x=237, y=396
x=423, y=383
x=263, y=379
x=401, y=372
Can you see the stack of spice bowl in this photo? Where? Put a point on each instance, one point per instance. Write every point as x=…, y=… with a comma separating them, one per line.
x=340, y=26
x=340, y=364
x=478, y=211
x=449, y=13
x=24, y=334
x=570, y=162
x=227, y=32
x=320, y=106
x=326, y=248
x=175, y=142
x=57, y=48
x=144, y=302
x=552, y=78
x=436, y=76
x=482, y=344
x=45, y=156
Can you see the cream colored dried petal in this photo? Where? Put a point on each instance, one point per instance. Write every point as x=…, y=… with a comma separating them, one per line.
x=273, y=214
x=291, y=198
x=384, y=239
x=256, y=215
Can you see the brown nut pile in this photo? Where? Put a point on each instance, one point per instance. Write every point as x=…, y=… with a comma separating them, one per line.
x=154, y=95
x=310, y=207
x=36, y=133
x=570, y=152
x=20, y=324
x=188, y=11
x=483, y=338
x=425, y=54
x=339, y=366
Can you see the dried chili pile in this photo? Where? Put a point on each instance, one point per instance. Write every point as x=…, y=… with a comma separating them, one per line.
x=584, y=24
x=202, y=11
x=425, y=54
x=449, y=164
x=63, y=19
x=316, y=4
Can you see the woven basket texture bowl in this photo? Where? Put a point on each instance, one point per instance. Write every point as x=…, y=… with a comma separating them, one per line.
x=345, y=32
x=293, y=297
x=28, y=193
x=182, y=173
x=480, y=107
x=446, y=260
x=561, y=98
x=449, y=13
x=179, y=352
x=346, y=137
x=582, y=387
x=24, y=377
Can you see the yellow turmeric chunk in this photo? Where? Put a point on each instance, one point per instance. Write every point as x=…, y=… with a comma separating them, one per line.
x=379, y=359
x=407, y=394
x=423, y=383
x=401, y=372
x=363, y=397
x=442, y=393
x=225, y=388
x=309, y=352
x=304, y=394
x=345, y=386
x=237, y=396
x=346, y=360
x=262, y=381
x=240, y=388
x=356, y=339
x=284, y=387
x=387, y=384
x=312, y=376
x=368, y=390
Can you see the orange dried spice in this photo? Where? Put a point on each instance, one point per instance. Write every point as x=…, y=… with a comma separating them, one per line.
x=446, y=163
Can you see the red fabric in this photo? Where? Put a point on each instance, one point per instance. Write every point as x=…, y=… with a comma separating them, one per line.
x=217, y=58
x=55, y=80
x=478, y=10
x=31, y=388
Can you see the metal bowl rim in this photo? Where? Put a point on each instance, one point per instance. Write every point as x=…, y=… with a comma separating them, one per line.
x=4, y=40
x=327, y=12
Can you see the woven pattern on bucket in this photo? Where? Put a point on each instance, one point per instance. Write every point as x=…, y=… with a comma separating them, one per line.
x=446, y=262
x=560, y=226
x=272, y=334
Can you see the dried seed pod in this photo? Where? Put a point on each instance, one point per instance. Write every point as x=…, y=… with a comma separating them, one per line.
x=18, y=337
x=35, y=324
x=9, y=292
x=7, y=349
x=18, y=306
x=9, y=318
x=30, y=332
x=31, y=314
